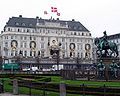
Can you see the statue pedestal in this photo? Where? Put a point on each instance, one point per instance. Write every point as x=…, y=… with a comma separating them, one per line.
x=107, y=61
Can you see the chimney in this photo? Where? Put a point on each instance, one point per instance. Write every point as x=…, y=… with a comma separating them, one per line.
x=73, y=19
x=20, y=16
x=37, y=17
x=57, y=18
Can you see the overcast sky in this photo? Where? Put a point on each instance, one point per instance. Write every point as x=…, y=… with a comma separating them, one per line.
x=96, y=15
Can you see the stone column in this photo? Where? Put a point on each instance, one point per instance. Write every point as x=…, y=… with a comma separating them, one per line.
x=62, y=89
x=15, y=86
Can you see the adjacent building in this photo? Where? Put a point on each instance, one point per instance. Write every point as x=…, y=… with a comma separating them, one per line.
x=116, y=39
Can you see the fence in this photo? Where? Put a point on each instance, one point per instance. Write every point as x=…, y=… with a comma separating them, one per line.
x=55, y=89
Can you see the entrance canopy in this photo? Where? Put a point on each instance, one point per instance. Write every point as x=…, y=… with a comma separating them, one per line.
x=10, y=66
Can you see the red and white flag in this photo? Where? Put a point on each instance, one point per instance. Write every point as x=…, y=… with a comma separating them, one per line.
x=53, y=9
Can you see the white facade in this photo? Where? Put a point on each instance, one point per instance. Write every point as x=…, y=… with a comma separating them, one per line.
x=41, y=37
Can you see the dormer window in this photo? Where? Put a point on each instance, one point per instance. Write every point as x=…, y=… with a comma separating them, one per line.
x=75, y=27
x=80, y=28
x=16, y=23
x=23, y=24
x=30, y=25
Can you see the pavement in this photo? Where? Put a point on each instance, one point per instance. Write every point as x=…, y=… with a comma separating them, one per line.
x=10, y=94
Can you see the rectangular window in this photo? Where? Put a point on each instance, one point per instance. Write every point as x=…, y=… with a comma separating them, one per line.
x=30, y=38
x=11, y=53
x=48, y=31
x=34, y=53
x=21, y=38
x=15, y=53
x=63, y=39
x=34, y=38
x=7, y=37
x=42, y=45
x=11, y=37
x=42, y=53
x=43, y=30
x=33, y=31
x=25, y=45
x=6, y=44
x=117, y=40
x=25, y=38
x=40, y=30
x=25, y=53
x=78, y=47
x=28, y=30
x=42, y=38
x=21, y=45
x=73, y=40
x=81, y=47
x=15, y=37
x=6, y=53
x=63, y=46
x=30, y=53
x=24, y=30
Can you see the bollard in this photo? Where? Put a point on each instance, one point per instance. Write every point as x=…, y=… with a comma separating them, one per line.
x=62, y=89
x=15, y=86
x=104, y=89
x=30, y=88
x=44, y=89
x=83, y=89
x=2, y=86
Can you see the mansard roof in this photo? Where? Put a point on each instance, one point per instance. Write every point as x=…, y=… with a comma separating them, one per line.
x=31, y=23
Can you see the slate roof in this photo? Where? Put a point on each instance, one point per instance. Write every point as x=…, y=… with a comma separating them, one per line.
x=31, y=23
x=114, y=36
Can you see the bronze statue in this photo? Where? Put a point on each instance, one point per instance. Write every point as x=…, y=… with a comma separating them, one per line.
x=101, y=69
x=103, y=45
x=113, y=69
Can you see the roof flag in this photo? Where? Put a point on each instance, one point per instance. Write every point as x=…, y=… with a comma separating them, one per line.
x=58, y=14
x=53, y=9
x=45, y=12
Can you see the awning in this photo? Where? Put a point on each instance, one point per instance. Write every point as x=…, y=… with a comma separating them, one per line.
x=10, y=66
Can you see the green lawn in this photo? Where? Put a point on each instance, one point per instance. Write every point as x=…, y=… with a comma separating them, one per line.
x=57, y=79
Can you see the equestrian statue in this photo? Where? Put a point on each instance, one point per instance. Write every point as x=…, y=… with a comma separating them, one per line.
x=106, y=48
